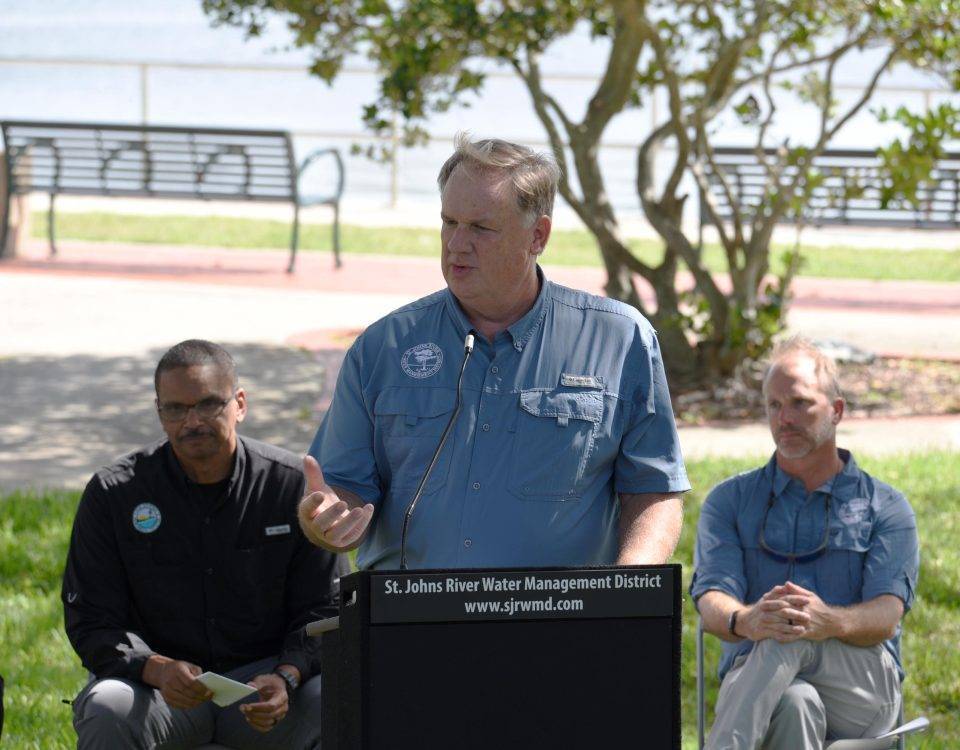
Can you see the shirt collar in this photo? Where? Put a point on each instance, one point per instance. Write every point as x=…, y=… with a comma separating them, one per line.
x=844, y=484
x=524, y=329
x=521, y=331
x=457, y=314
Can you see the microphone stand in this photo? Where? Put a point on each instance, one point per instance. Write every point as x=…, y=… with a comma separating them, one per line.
x=467, y=351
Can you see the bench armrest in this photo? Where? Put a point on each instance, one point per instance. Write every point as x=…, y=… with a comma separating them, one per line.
x=308, y=162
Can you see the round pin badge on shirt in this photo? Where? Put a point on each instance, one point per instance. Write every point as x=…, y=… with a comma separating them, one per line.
x=422, y=361
x=146, y=518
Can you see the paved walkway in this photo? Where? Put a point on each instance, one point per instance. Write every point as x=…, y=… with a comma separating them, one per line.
x=79, y=336
x=906, y=318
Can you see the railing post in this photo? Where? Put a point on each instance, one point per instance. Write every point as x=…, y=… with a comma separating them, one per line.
x=144, y=69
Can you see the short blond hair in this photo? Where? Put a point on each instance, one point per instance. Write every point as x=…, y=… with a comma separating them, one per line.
x=532, y=175
x=824, y=365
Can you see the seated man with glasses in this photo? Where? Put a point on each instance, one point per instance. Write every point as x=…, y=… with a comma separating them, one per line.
x=185, y=557
x=805, y=568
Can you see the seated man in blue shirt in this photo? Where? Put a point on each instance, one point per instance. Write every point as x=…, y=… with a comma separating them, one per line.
x=565, y=451
x=804, y=568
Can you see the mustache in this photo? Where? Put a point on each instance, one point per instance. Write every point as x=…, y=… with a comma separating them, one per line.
x=200, y=432
x=791, y=433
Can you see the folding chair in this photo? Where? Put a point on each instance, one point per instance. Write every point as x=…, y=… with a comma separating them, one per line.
x=922, y=722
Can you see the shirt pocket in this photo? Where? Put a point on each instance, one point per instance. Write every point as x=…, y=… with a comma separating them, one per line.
x=256, y=577
x=157, y=576
x=410, y=422
x=763, y=573
x=840, y=571
x=555, y=434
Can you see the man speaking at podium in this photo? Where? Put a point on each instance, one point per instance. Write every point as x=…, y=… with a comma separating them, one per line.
x=563, y=451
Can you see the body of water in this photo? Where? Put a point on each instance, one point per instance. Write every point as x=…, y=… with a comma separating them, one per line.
x=164, y=63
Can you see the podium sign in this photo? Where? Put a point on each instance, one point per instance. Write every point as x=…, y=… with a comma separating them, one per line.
x=558, y=658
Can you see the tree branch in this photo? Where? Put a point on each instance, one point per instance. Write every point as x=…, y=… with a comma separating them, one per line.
x=541, y=101
x=670, y=230
x=827, y=132
x=591, y=207
x=613, y=91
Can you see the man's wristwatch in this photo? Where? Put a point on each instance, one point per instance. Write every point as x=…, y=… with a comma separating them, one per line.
x=290, y=682
x=732, y=623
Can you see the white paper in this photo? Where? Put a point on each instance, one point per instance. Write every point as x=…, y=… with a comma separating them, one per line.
x=225, y=691
x=884, y=741
x=917, y=725
x=862, y=744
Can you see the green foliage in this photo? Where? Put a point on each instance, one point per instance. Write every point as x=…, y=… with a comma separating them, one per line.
x=907, y=163
x=706, y=58
x=39, y=666
x=41, y=669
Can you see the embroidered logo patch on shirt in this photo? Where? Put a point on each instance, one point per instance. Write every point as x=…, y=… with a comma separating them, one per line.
x=580, y=381
x=422, y=361
x=146, y=518
x=854, y=510
x=277, y=530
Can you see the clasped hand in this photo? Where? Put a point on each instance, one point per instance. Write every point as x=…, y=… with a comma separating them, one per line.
x=787, y=613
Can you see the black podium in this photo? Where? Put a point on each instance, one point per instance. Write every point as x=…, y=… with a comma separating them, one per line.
x=501, y=659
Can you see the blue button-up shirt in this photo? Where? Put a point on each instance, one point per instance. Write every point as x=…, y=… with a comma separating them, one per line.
x=872, y=546
x=564, y=409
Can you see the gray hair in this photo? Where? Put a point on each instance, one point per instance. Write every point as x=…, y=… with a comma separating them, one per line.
x=825, y=367
x=194, y=352
x=533, y=176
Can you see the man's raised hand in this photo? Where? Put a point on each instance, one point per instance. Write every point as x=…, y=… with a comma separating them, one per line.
x=326, y=516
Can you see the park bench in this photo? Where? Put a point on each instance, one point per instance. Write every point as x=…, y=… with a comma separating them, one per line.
x=849, y=194
x=145, y=161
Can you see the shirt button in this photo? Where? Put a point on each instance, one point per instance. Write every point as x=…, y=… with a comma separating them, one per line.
x=485, y=428
x=206, y=521
x=476, y=485
x=211, y=621
x=209, y=571
x=467, y=542
x=494, y=369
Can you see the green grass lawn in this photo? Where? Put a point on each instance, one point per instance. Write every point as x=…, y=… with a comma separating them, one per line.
x=41, y=669
x=568, y=248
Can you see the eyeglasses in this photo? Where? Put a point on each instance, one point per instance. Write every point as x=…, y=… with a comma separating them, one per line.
x=796, y=557
x=208, y=408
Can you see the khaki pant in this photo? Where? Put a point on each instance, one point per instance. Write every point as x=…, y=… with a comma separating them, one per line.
x=792, y=696
x=120, y=714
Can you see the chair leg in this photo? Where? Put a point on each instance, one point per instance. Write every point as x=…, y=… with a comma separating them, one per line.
x=294, y=237
x=50, y=227
x=5, y=222
x=701, y=718
x=336, y=235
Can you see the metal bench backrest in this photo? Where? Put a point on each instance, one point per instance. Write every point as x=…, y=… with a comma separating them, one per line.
x=849, y=194
x=148, y=161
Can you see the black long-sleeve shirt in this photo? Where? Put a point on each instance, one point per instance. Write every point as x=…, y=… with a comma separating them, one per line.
x=159, y=565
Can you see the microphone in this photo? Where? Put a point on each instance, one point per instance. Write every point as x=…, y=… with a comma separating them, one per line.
x=468, y=343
